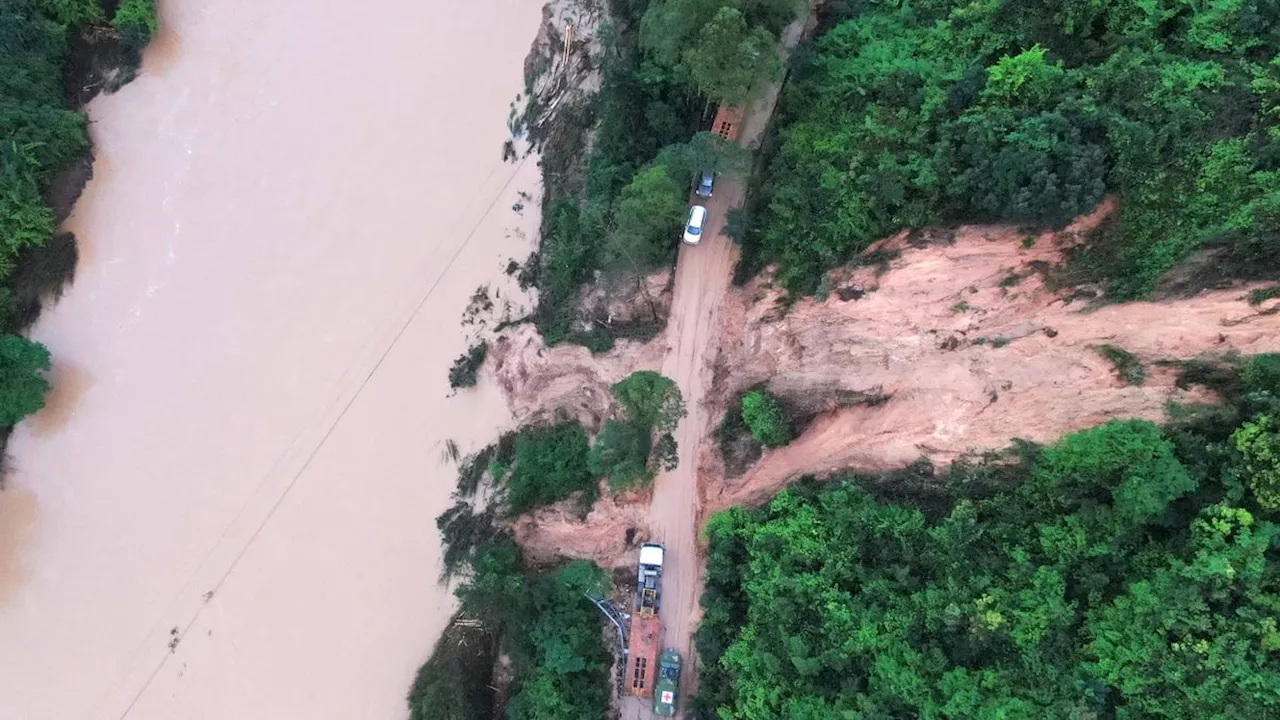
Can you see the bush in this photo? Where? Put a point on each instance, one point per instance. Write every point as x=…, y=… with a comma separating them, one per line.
x=23, y=386
x=621, y=454
x=1261, y=374
x=630, y=450
x=1259, y=444
x=456, y=681
x=765, y=417
x=466, y=368
x=1127, y=365
x=137, y=22
x=550, y=465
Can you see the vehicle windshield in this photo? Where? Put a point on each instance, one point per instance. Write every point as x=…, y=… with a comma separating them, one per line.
x=695, y=230
x=671, y=672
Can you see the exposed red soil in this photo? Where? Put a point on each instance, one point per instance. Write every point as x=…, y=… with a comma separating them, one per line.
x=969, y=358
x=538, y=382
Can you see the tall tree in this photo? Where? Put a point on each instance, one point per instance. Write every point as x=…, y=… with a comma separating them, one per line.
x=22, y=383
x=649, y=214
x=728, y=57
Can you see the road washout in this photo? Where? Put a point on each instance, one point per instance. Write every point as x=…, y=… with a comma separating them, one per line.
x=961, y=357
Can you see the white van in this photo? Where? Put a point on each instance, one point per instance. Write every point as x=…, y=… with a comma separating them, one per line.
x=693, y=226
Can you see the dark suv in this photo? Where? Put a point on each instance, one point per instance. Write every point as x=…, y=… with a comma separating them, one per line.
x=705, y=180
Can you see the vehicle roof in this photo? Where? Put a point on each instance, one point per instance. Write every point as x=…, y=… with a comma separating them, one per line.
x=651, y=554
x=698, y=211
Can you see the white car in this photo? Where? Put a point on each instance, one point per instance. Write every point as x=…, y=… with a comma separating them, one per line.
x=693, y=226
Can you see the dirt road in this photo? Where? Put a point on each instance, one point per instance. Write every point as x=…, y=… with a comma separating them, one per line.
x=703, y=275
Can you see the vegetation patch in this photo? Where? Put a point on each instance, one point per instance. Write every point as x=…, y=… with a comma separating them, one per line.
x=1124, y=569
x=44, y=159
x=1261, y=295
x=938, y=112
x=549, y=465
x=617, y=209
x=738, y=447
x=540, y=620
x=632, y=448
x=766, y=418
x=456, y=682
x=1127, y=365
x=466, y=368
x=527, y=642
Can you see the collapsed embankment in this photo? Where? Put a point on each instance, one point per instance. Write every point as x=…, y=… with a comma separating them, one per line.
x=959, y=337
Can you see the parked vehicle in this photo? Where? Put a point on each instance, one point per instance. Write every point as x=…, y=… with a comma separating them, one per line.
x=648, y=579
x=646, y=626
x=693, y=226
x=666, y=691
x=703, y=184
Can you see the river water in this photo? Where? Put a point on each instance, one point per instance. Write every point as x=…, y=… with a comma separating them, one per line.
x=227, y=510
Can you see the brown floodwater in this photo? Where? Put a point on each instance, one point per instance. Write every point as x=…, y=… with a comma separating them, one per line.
x=227, y=510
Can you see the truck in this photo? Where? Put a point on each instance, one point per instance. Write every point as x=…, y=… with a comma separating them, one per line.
x=646, y=626
x=649, y=580
x=666, y=690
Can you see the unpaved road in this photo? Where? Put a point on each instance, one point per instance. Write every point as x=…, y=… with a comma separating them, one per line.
x=703, y=276
x=289, y=211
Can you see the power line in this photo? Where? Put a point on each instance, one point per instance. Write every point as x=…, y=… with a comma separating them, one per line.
x=332, y=426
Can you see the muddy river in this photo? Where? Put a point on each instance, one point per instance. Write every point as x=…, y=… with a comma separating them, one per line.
x=227, y=510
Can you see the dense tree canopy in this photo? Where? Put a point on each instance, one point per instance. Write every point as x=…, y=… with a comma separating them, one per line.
x=720, y=47
x=728, y=56
x=1125, y=571
x=650, y=211
x=620, y=211
x=540, y=620
x=22, y=382
x=550, y=464
x=631, y=449
x=905, y=114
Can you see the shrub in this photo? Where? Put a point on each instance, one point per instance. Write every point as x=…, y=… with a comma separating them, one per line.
x=1127, y=365
x=137, y=22
x=766, y=418
x=1261, y=374
x=467, y=367
x=1259, y=445
x=550, y=465
x=22, y=383
x=621, y=454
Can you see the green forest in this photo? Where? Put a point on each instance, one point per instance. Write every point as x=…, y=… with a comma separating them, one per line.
x=665, y=67
x=539, y=619
x=1125, y=571
x=45, y=132
x=906, y=114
